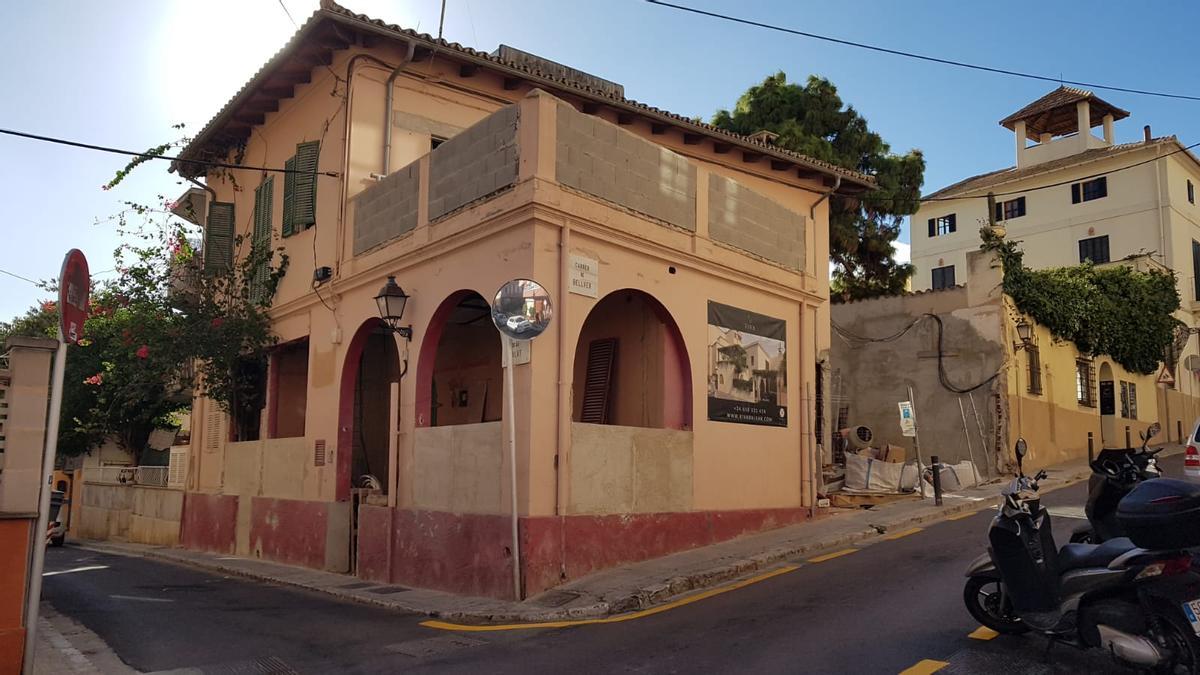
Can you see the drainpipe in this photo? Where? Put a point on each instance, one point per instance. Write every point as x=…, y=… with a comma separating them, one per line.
x=387, y=113
x=565, y=373
x=837, y=183
x=204, y=187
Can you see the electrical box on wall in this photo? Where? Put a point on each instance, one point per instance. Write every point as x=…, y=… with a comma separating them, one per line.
x=322, y=274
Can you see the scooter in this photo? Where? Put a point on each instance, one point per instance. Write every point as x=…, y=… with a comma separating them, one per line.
x=1140, y=605
x=1115, y=473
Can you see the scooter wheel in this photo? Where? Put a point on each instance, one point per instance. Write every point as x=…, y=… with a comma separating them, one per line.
x=987, y=604
x=1174, y=634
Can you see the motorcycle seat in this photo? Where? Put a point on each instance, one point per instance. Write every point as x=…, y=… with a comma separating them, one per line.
x=1077, y=556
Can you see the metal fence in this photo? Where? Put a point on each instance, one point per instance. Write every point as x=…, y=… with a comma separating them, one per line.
x=154, y=476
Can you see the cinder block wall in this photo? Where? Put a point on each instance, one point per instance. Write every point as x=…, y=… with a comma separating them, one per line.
x=741, y=217
x=387, y=210
x=601, y=159
x=475, y=163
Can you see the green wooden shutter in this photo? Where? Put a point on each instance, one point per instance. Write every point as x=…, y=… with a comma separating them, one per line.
x=304, y=203
x=263, y=202
x=289, y=197
x=218, y=238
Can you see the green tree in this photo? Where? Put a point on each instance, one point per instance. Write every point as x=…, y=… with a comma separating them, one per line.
x=811, y=119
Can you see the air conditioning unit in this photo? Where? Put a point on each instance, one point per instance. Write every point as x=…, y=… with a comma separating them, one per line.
x=1192, y=363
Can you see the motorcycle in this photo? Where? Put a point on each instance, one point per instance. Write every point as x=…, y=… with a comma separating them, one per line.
x=1136, y=598
x=1115, y=473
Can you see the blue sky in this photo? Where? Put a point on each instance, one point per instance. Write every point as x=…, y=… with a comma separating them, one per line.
x=120, y=73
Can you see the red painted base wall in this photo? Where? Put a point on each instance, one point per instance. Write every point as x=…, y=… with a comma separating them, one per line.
x=209, y=522
x=289, y=531
x=469, y=554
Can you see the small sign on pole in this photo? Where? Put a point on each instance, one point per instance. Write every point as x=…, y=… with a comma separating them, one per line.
x=908, y=420
x=74, y=289
x=1165, y=378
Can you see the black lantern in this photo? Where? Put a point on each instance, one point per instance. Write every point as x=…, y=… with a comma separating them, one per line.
x=391, y=301
x=1024, y=333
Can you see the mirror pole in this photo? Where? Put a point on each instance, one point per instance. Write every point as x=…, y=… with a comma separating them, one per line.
x=511, y=422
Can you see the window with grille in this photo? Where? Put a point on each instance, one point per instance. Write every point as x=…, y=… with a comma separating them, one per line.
x=943, y=277
x=1094, y=249
x=1088, y=190
x=1191, y=192
x=1013, y=208
x=1085, y=383
x=942, y=225
x=1128, y=400
x=1034, y=359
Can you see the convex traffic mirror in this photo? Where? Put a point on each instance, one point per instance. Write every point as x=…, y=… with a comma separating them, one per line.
x=522, y=309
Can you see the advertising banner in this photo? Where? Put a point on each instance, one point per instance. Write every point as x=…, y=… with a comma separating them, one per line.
x=747, y=367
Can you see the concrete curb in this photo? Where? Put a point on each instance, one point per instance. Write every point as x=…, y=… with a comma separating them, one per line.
x=645, y=597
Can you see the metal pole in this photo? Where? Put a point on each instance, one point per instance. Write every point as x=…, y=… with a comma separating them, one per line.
x=937, y=481
x=511, y=415
x=916, y=440
x=982, y=436
x=43, y=519
x=812, y=450
x=974, y=471
x=442, y=20
x=1091, y=448
x=1127, y=441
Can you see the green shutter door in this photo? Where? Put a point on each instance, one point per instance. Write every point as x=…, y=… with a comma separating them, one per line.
x=289, y=192
x=218, y=238
x=304, y=202
x=263, y=201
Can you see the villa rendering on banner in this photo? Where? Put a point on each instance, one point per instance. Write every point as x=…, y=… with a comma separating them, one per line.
x=747, y=367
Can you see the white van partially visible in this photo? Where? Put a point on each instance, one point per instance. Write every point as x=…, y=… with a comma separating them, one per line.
x=1191, y=460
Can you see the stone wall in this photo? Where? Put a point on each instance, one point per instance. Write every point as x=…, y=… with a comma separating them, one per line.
x=474, y=164
x=601, y=159
x=743, y=218
x=618, y=469
x=134, y=513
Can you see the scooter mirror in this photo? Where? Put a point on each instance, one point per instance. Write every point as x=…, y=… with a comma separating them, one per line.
x=1153, y=431
x=1022, y=448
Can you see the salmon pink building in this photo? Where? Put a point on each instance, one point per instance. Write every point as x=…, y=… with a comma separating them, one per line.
x=385, y=455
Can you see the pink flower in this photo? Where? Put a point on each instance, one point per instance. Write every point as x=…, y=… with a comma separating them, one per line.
x=49, y=306
x=143, y=352
x=95, y=380
x=217, y=322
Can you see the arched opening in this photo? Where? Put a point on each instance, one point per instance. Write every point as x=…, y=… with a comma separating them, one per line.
x=372, y=365
x=1108, y=408
x=459, y=374
x=631, y=365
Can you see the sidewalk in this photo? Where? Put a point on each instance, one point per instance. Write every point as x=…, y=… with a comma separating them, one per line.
x=630, y=587
x=64, y=646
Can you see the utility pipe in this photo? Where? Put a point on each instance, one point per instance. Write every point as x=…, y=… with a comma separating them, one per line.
x=565, y=373
x=387, y=113
x=837, y=183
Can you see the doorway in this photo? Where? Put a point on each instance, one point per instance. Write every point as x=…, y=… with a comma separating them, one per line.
x=1108, y=408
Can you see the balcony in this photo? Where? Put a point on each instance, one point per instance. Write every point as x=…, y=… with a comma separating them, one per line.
x=544, y=150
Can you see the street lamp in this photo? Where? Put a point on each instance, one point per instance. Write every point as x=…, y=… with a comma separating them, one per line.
x=391, y=301
x=1025, y=333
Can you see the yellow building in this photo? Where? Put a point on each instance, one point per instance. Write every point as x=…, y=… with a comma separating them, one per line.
x=1074, y=196
x=453, y=171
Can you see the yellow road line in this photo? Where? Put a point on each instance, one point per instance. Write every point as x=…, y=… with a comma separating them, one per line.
x=982, y=633
x=831, y=556
x=924, y=667
x=443, y=625
x=960, y=516
x=904, y=533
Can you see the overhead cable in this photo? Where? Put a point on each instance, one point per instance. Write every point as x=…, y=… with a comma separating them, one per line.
x=921, y=57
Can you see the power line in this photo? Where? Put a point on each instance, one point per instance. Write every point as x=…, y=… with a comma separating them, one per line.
x=146, y=155
x=18, y=276
x=920, y=57
x=289, y=14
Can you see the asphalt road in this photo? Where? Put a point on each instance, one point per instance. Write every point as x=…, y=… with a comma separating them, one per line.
x=883, y=607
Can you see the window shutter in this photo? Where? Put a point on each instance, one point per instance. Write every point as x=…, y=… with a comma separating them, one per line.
x=1102, y=187
x=1075, y=193
x=263, y=202
x=597, y=388
x=304, y=201
x=999, y=210
x=289, y=197
x=932, y=227
x=218, y=238
x=1021, y=206
x=949, y=276
x=953, y=225
x=1196, y=269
